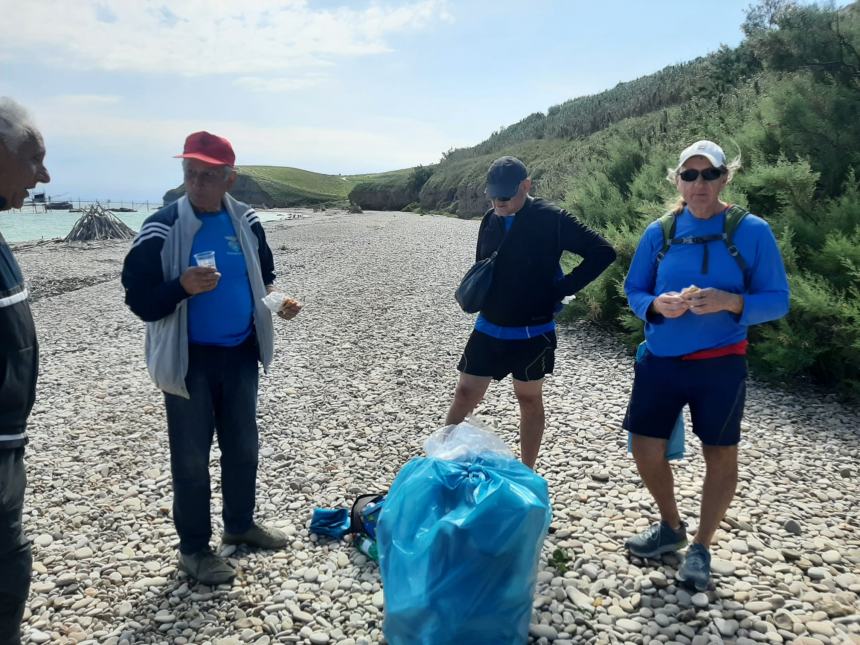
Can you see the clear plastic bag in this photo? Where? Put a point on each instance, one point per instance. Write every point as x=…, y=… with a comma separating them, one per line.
x=274, y=301
x=465, y=441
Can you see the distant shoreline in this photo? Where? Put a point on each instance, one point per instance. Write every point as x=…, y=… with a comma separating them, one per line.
x=19, y=227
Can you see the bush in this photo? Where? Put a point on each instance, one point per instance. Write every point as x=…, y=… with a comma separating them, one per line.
x=820, y=338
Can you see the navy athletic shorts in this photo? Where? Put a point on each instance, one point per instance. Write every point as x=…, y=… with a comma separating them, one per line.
x=714, y=388
x=526, y=360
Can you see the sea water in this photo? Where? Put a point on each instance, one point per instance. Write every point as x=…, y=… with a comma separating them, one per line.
x=25, y=225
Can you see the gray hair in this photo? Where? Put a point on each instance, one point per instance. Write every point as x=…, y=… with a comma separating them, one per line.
x=16, y=125
x=228, y=170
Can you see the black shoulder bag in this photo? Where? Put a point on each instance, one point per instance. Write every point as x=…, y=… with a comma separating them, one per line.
x=475, y=285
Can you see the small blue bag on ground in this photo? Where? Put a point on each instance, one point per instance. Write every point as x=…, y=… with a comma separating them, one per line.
x=459, y=539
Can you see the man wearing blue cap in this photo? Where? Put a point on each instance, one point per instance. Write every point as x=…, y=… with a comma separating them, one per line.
x=515, y=329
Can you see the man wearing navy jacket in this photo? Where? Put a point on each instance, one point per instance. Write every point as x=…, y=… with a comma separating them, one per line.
x=22, y=156
x=515, y=329
x=206, y=331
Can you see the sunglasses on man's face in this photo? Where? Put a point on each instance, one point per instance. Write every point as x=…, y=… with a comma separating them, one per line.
x=502, y=200
x=204, y=176
x=708, y=174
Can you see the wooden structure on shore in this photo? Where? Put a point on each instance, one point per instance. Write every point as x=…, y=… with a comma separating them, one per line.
x=98, y=223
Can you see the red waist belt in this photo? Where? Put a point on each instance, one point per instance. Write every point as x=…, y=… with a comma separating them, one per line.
x=738, y=349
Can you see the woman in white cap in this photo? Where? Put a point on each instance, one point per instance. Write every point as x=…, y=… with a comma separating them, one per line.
x=701, y=275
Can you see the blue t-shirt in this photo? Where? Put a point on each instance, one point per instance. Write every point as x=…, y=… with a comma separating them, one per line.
x=515, y=333
x=225, y=315
x=766, y=297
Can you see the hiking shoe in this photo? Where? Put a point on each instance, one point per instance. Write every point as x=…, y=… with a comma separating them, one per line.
x=657, y=539
x=696, y=570
x=206, y=567
x=258, y=536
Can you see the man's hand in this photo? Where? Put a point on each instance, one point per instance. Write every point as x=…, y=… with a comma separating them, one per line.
x=710, y=301
x=289, y=309
x=670, y=304
x=199, y=280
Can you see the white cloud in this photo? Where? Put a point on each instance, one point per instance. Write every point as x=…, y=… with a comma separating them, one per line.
x=84, y=100
x=103, y=137
x=202, y=37
x=277, y=84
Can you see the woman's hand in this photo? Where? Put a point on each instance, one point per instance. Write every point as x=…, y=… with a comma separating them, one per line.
x=710, y=301
x=670, y=304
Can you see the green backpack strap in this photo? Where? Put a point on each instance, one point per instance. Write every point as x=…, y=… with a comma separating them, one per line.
x=667, y=225
x=734, y=217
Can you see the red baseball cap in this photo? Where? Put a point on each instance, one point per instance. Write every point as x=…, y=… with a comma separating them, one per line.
x=208, y=148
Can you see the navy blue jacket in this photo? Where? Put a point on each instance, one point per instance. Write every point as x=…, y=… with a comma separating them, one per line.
x=147, y=293
x=525, y=288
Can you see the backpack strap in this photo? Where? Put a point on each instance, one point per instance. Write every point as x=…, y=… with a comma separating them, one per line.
x=667, y=225
x=734, y=217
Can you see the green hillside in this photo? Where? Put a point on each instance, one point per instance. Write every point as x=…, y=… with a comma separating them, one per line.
x=288, y=184
x=279, y=186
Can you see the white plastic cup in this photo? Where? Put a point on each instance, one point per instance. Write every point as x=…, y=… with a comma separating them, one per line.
x=205, y=259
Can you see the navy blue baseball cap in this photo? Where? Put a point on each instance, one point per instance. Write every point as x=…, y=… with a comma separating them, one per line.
x=504, y=177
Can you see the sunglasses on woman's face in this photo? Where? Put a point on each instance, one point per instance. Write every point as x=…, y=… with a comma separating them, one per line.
x=708, y=174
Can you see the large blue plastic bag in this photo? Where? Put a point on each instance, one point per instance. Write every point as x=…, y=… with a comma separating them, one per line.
x=459, y=541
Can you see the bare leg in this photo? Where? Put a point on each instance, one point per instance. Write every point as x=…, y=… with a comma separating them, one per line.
x=532, y=419
x=656, y=473
x=469, y=392
x=721, y=480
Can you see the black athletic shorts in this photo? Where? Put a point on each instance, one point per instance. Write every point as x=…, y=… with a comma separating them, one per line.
x=714, y=388
x=526, y=360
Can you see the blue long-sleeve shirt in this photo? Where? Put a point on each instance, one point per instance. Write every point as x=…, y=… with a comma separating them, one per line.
x=765, y=298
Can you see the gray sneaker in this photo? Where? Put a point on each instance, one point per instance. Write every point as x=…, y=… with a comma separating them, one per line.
x=206, y=567
x=696, y=570
x=657, y=539
x=258, y=536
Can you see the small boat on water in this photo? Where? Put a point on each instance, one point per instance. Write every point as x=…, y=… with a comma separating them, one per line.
x=58, y=206
x=122, y=210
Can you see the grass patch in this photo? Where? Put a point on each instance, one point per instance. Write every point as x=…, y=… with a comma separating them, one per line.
x=560, y=561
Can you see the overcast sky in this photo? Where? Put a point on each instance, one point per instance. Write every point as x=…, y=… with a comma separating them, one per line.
x=333, y=87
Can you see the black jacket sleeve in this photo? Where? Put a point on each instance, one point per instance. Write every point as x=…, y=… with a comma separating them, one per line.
x=19, y=353
x=597, y=254
x=147, y=293
x=267, y=261
x=483, y=241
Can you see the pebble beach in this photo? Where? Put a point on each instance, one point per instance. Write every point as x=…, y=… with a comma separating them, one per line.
x=360, y=378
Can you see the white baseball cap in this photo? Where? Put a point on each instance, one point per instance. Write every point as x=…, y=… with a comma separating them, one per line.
x=707, y=149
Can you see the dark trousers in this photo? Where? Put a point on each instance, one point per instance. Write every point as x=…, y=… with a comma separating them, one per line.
x=16, y=561
x=222, y=382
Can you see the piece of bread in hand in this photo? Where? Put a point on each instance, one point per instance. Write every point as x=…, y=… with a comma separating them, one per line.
x=689, y=290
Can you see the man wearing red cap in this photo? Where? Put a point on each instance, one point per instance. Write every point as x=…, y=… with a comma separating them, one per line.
x=196, y=273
